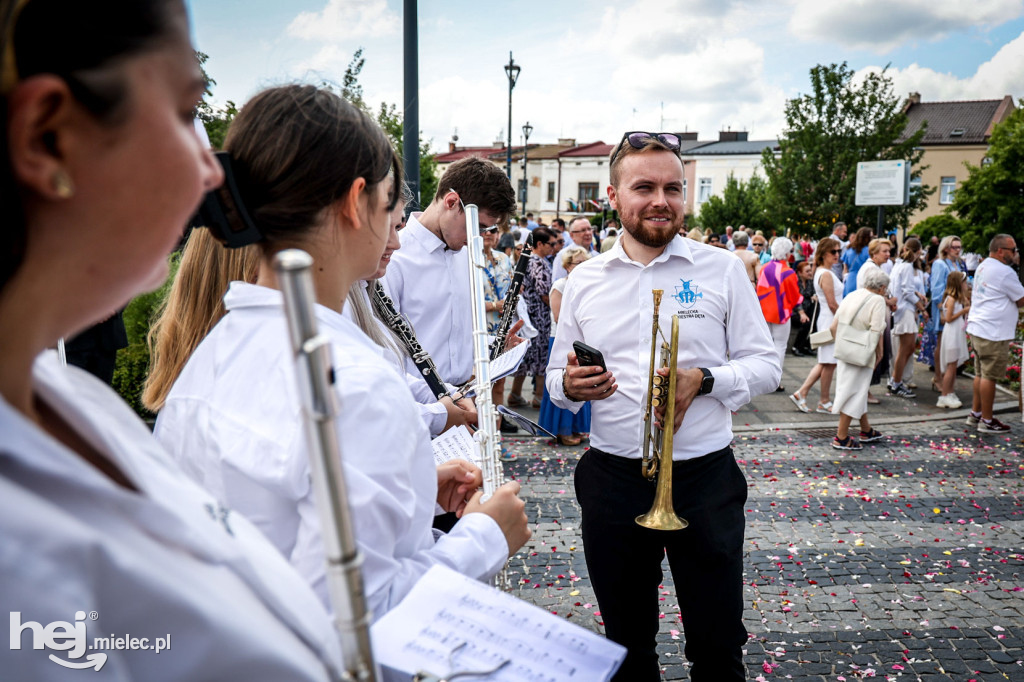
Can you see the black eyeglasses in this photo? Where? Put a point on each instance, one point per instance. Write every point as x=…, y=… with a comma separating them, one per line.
x=488, y=230
x=638, y=138
x=836, y=251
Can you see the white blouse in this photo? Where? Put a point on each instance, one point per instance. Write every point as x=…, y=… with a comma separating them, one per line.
x=168, y=561
x=233, y=421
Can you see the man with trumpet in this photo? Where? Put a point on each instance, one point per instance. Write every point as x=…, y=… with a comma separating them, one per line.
x=724, y=356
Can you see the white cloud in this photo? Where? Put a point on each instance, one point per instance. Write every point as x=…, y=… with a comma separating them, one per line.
x=690, y=64
x=882, y=25
x=329, y=58
x=999, y=76
x=341, y=20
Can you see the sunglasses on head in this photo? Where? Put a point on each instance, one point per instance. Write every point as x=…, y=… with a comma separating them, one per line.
x=638, y=139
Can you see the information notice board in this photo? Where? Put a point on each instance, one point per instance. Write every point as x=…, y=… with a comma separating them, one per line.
x=883, y=183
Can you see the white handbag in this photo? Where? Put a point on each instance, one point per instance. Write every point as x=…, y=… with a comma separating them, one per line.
x=856, y=346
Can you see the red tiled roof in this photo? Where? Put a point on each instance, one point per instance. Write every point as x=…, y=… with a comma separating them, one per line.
x=589, y=149
x=537, y=152
x=972, y=121
x=480, y=152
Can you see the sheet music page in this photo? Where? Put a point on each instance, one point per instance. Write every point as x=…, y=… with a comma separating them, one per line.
x=509, y=361
x=446, y=609
x=456, y=443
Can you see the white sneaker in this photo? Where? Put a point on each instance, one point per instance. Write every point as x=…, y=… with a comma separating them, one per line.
x=943, y=401
x=953, y=402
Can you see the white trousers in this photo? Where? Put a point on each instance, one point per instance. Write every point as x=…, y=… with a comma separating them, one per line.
x=780, y=335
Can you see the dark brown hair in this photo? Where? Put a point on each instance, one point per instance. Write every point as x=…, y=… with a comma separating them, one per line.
x=479, y=182
x=297, y=149
x=861, y=238
x=84, y=43
x=823, y=248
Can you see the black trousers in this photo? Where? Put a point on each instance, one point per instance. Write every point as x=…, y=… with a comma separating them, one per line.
x=706, y=559
x=802, y=342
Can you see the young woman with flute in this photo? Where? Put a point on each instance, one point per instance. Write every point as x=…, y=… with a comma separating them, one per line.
x=103, y=535
x=313, y=172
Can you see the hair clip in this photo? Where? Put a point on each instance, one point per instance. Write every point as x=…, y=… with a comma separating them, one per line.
x=224, y=213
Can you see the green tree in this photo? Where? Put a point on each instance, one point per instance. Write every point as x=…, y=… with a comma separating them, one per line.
x=939, y=226
x=741, y=203
x=812, y=181
x=390, y=120
x=351, y=89
x=132, y=365
x=216, y=121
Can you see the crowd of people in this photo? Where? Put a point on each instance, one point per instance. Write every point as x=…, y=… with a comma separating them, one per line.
x=929, y=294
x=207, y=528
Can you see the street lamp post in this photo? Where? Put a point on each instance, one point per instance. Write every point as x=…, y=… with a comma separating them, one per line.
x=512, y=71
x=527, y=129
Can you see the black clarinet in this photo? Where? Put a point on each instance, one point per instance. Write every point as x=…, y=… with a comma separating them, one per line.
x=385, y=309
x=508, y=312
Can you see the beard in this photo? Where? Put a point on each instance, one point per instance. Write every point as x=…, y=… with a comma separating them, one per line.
x=652, y=237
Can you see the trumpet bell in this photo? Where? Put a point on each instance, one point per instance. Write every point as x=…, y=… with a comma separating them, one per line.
x=662, y=519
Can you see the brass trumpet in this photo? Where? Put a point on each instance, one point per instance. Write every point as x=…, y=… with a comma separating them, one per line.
x=661, y=391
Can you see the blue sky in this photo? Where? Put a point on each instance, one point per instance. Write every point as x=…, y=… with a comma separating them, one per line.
x=591, y=70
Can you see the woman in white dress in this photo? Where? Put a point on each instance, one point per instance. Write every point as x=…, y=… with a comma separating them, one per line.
x=953, y=352
x=102, y=535
x=864, y=309
x=829, y=290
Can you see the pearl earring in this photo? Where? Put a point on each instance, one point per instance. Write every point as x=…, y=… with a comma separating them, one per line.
x=62, y=184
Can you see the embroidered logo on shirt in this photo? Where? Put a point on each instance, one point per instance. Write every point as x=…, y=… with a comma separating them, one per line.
x=220, y=513
x=688, y=293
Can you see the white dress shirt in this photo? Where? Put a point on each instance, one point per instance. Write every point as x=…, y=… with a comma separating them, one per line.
x=430, y=284
x=994, y=299
x=607, y=304
x=166, y=560
x=233, y=421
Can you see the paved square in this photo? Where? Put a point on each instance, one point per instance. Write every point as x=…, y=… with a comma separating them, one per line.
x=902, y=561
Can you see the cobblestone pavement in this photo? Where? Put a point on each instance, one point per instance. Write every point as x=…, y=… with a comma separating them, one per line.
x=903, y=561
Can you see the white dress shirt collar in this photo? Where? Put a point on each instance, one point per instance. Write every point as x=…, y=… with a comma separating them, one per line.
x=676, y=247
x=418, y=231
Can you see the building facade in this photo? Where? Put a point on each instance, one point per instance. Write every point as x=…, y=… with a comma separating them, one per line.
x=957, y=134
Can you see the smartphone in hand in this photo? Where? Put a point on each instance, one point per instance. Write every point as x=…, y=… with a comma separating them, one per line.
x=588, y=356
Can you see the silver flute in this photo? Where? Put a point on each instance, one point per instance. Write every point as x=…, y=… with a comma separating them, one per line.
x=315, y=372
x=487, y=435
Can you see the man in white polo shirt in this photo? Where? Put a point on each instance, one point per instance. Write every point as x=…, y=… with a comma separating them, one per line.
x=992, y=323
x=726, y=356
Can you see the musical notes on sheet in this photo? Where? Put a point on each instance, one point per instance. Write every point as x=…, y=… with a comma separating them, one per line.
x=446, y=609
x=456, y=443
